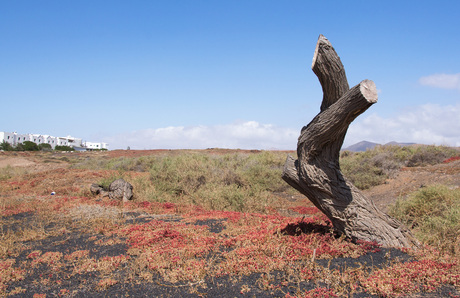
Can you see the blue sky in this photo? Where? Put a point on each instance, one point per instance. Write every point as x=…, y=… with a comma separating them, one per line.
x=233, y=74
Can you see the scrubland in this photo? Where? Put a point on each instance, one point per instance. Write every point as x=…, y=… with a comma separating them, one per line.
x=217, y=223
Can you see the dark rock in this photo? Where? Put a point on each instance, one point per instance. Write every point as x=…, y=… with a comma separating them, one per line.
x=96, y=189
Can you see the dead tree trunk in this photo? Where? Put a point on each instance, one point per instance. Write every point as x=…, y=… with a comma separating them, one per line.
x=316, y=173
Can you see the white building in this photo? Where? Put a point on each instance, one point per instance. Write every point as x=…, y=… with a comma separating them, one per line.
x=50, y=140
x=21, y=138
x=37, y=139
x=93, y=145
x=14, y=138
x=9, y=137
x=74, y=142
x=60, y=141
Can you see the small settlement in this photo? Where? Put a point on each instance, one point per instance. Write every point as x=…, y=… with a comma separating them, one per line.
x=78, y=144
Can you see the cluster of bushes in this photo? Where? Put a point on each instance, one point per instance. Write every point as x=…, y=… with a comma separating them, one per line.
x=63, y=148
x=433, y=214
x=236, y=182
x=373, y=167
x=247, y=181
x=31, y=146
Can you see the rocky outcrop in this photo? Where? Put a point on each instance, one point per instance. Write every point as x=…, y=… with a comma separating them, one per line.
x=118, y=190
x=96, y=189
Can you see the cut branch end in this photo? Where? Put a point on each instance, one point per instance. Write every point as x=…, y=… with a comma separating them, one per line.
x=369, y=91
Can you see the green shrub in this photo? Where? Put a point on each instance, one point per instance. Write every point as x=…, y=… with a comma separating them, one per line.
x=430, y=155
x=433, y=213
x=202, y=178
x=235, y=182
x=372, y=167
x=5, y=146
x=263, y=170
x=29, y=146
x=238, y=181
x=182, y=174
x=44, y=147
x=63, y=148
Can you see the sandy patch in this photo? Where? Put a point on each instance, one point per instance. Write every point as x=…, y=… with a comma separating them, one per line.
x=15, y=162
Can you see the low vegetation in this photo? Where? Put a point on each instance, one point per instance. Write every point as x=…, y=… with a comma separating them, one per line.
x=373, y=167
x=31, y=146
x=214, y=223
x=433, y=213
x=9, y=172
x=63, y=148
x=232, y=182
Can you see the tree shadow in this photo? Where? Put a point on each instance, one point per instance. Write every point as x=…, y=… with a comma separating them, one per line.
x=302, y=227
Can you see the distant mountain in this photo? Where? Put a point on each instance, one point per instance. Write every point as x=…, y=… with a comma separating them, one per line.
x=399, y=144
x=361, y=146
x=364, y=145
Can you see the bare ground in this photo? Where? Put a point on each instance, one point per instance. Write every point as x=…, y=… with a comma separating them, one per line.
x=411, y=179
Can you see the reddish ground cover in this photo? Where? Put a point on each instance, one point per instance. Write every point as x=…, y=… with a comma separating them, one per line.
x=98, y=248
x=73, y=244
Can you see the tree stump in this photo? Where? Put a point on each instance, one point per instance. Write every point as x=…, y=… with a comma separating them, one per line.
x=316, y=173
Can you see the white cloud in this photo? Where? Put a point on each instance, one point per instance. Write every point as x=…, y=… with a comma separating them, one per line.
x=444, y=81
x=426, y=124
x=243, y=135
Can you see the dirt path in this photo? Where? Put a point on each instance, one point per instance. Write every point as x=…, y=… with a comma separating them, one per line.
x=32, y=162
x=411, y=179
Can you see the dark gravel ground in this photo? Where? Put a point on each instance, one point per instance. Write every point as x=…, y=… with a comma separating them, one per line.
x=81, y=285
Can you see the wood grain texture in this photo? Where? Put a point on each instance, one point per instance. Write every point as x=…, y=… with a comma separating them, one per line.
x=330, y=72
x=316, y=173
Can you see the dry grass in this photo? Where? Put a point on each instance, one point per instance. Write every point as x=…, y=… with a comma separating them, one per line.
x=230, y=181
x=374, y=166
x=194, y=236
x=433, y=213
x=10, y=172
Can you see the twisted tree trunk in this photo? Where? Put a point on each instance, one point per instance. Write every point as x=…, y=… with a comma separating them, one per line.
x=316, y=173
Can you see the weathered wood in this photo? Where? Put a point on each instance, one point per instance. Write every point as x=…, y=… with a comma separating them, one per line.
x=330, y=72
x=316, y=173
